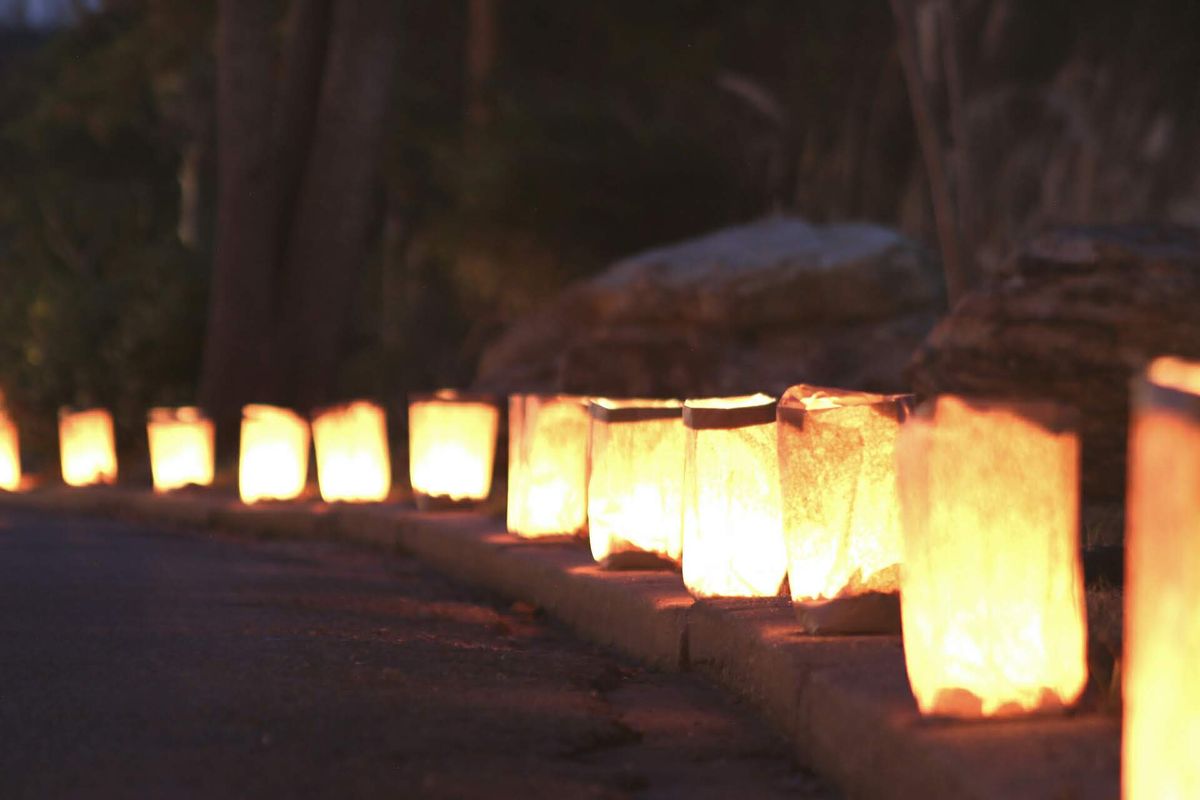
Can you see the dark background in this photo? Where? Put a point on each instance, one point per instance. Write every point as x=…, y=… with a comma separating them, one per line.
x=516, y=145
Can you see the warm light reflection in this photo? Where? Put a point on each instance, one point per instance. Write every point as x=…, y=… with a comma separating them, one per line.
x=181, y=448
x=547, y=464
x=636, y=483
x=837, y=461
x=1162, y=587
x=88, y=447
x=273, y=464
x=353, y=464
x=1174, y=373
x=10, y=454
x=452, y=445
x=732, y=522
x=991, y=591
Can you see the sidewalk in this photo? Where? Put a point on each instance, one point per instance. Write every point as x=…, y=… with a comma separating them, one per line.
x=843, y=701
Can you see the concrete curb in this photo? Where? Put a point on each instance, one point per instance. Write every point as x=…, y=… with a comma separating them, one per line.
x=846, y=704
x=843, y=701
x=641, y=614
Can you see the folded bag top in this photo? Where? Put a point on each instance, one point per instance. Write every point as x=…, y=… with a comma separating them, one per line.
x=728, y=413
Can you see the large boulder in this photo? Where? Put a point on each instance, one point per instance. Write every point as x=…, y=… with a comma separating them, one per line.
x=1072, y=317
x=756, y=307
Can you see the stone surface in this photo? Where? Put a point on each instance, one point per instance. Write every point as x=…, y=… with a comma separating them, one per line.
x=1071, y=318
x=757, y=307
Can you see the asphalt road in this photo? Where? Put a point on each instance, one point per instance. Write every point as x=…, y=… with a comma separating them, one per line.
x=163, y=664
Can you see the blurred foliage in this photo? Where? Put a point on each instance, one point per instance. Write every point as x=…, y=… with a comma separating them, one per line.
x=101, y=304
x=614, y=126
x=612, y=131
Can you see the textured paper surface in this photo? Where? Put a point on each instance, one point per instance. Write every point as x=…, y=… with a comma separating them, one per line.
x=992, y=588
x=547, y=465
x=733, y=533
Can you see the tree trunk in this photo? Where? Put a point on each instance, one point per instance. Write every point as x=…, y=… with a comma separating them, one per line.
x=956, y=269
x=297, y=159
x=327, y=242
x=306, y=43
x=236, y=358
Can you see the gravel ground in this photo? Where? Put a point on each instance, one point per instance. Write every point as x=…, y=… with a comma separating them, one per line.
x=143, y=663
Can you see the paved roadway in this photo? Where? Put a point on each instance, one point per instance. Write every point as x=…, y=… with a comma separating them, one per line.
x=142, y=663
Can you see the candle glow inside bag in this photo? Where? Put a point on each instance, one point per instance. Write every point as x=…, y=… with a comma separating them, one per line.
x=732, y=521
x=636, y=484
x=992, y=587
x=547, y=464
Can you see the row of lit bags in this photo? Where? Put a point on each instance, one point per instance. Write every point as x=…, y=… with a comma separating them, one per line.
x=451, y=449
x=745, y=492
x=741, y=492
x=351, y=443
